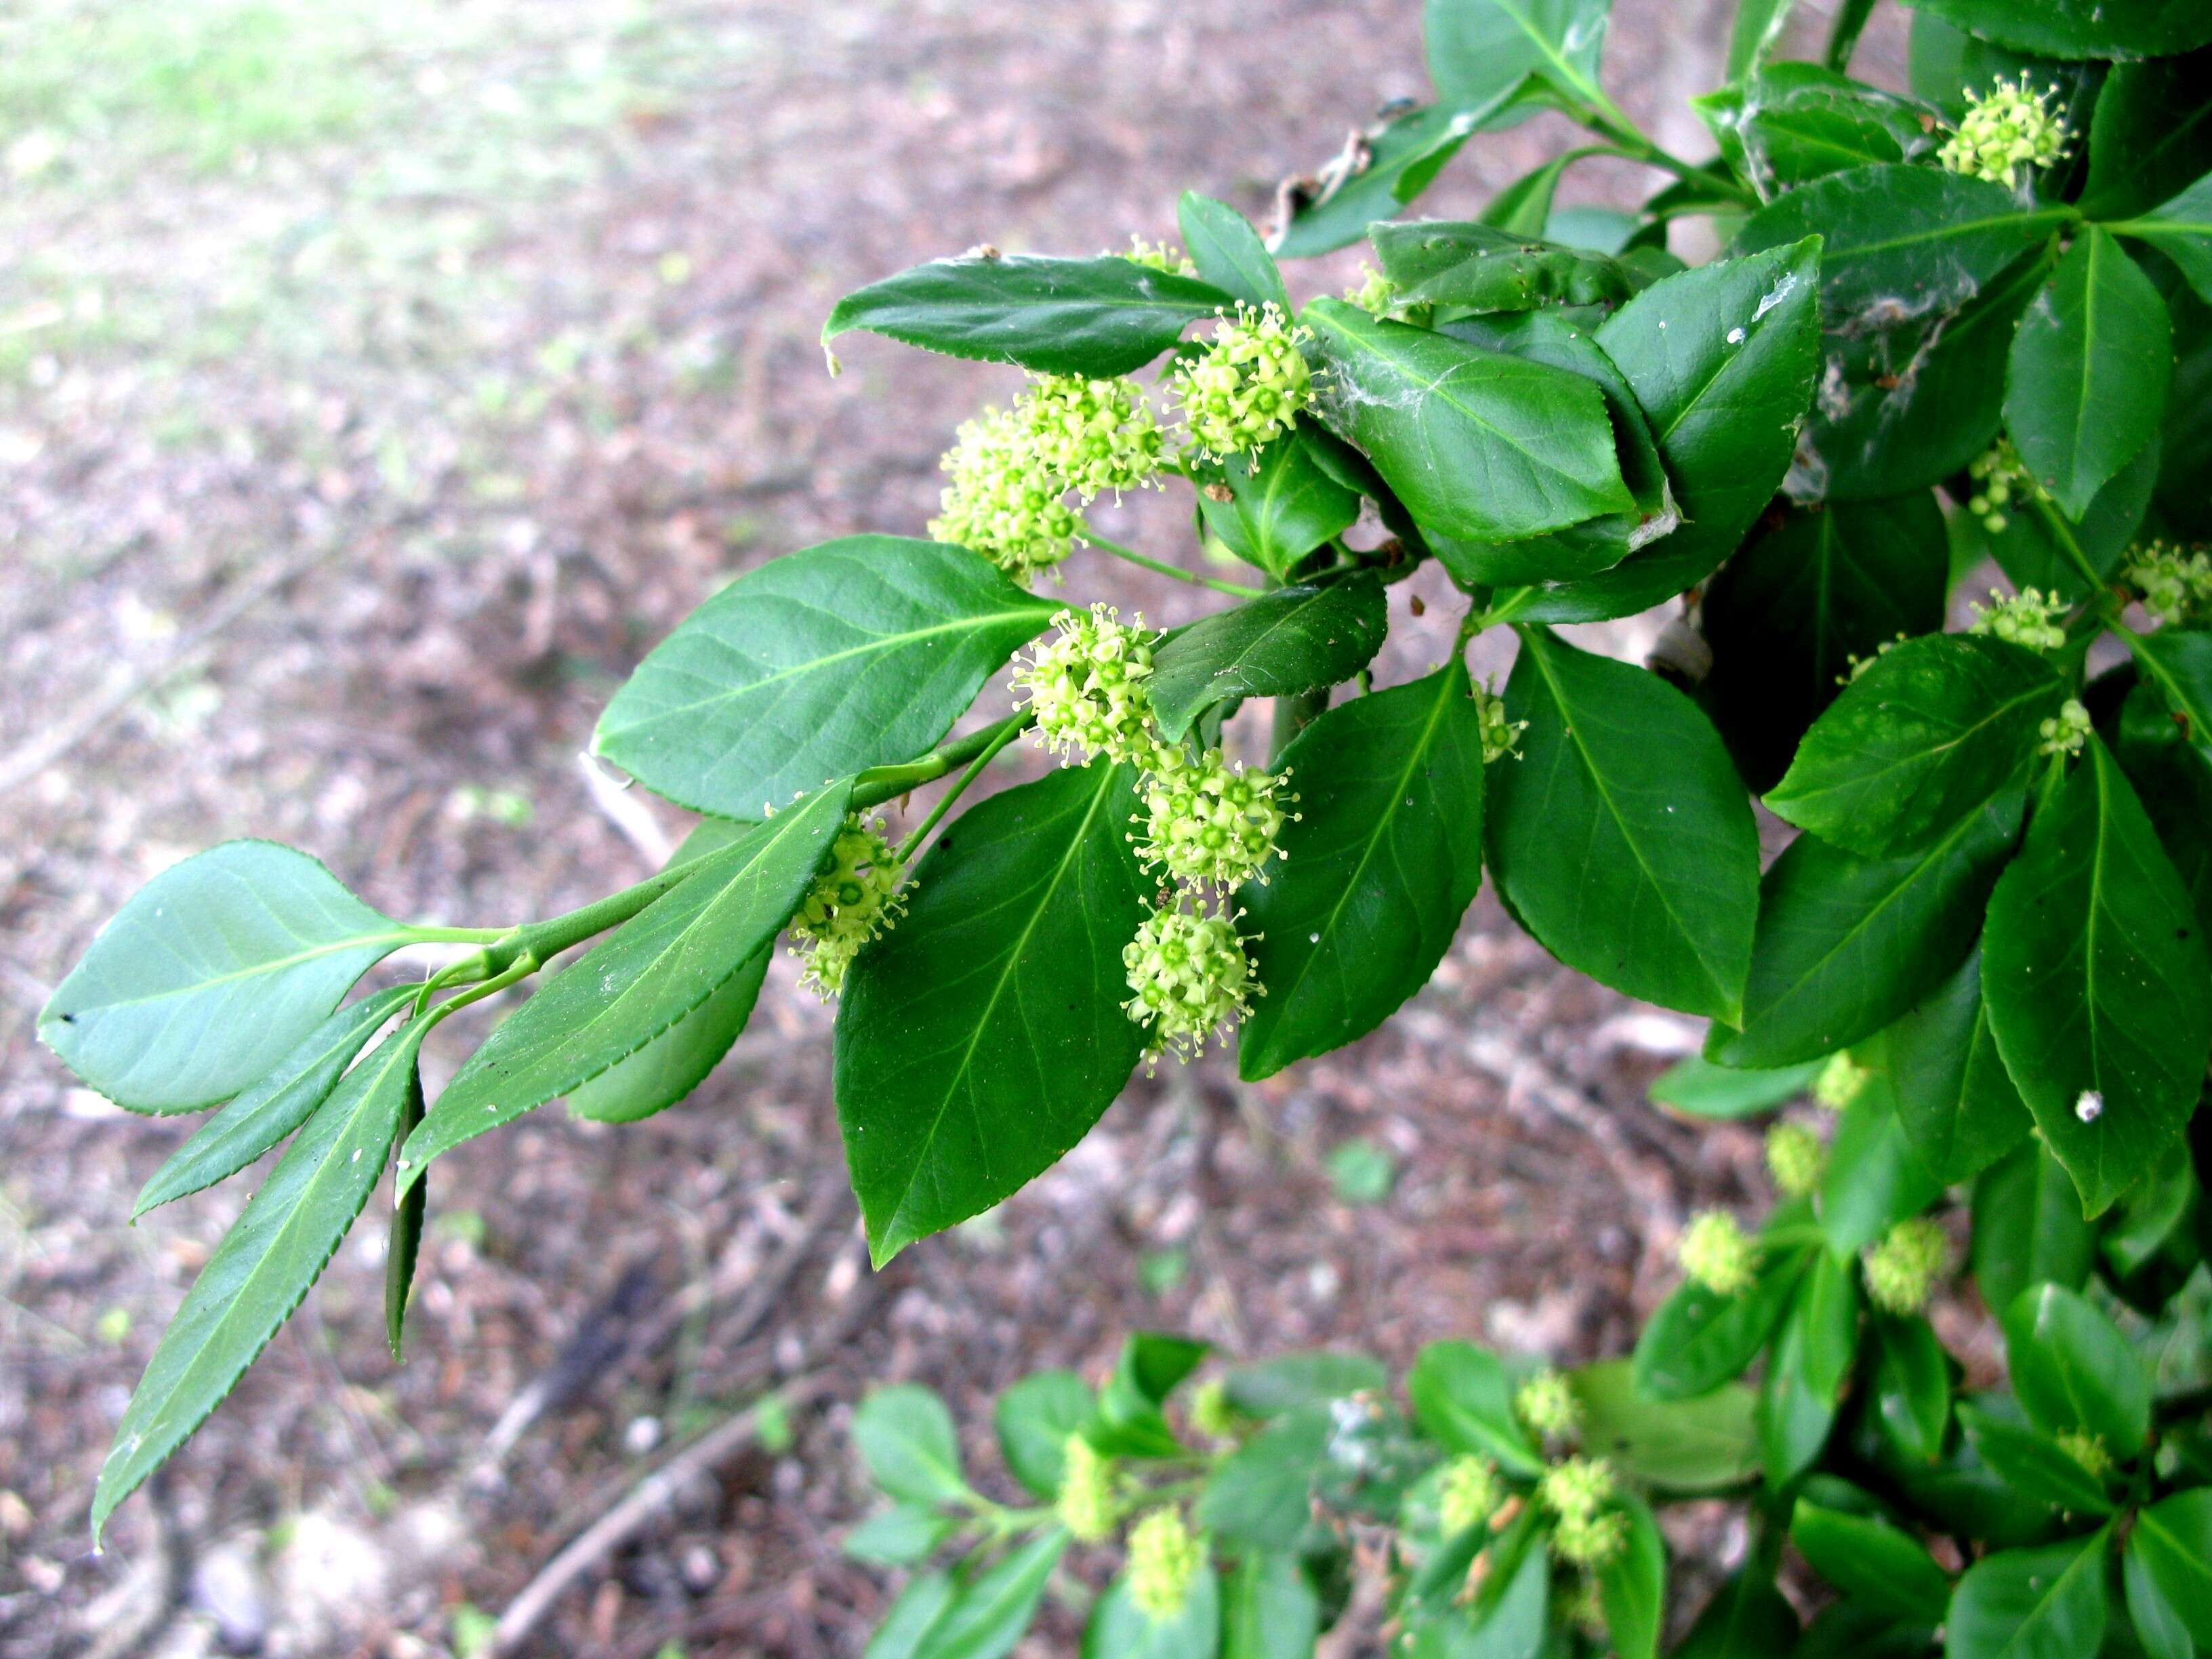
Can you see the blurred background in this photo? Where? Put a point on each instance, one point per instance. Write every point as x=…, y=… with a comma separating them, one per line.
x=377, y=383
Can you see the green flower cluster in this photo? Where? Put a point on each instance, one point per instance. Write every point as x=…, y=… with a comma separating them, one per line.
x=1997, y=472
x=1842, y=1080
x=2176, y=587
x=1795, y=1158
x=1096, y=437
x=1086, y=687
x=1716, y=1253
x=1086, y=1505
x=2009, y=127
x=1212, y=1412
x=1374, y=292
x=854, y=898
x=1207, y=820
x=1548, y=1406
x=1248, y=386
x=2029, y=618
x=1577, y=1490
x=1468, y=1494
x=1190, y=975
x=2065, y=732
x=1163, y=1558
x=1159, y=256
x=1902, y=1269
x=2088, y=1450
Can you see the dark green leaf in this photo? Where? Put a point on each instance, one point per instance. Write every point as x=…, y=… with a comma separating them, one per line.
x=1872, y=1560
x=1632, y=1586
x=1682, y=1446
x=1955, y=1102
x=2150, y=136
x=2030, y=1604
x=1375, y=872
x=2174, y=1539
x=1103, y=316
x=2026, y=548
x=859, y=653
x=272, y=1254
x=1483, y=269
x=1283, y=501
x=899, y=1537
x=1120, y=1629
x=2159, y=1625
x=2181, y=229
x=1697, y=1340
x=2082, y=28
x=1918, y=744
x=2099, y=989
x=1479, y=445
x=1268, y=1609
x=1702, y=1089
x=657, y=967
x=279, y=1102
x=987, y=1615
x=1847, y=945
x=214, y=972
x=1872, y=1181
x=982, y=1037
x=2179, y=662
x=405, y=1242
x=1828, y=1306
x=1747, y=1619
x=1794, y=1419
x=1912, y=1386
x=1228, y=253
x=2074, y=1371
x=1275, y=1386
x=2028, y=1227
x=2031, y=1462
x=1793, y=122
x=2173, y=780
x=1292, y=640
x=1035, y=1419
x=1394, y=161
x=673, y=1065
x=1621, y=837
x=2086, y=384
x=1480, y=49
x=1463, y=1400
x=906, y=1438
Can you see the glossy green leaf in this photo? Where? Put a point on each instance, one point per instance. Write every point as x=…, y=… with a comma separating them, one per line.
x=1622, y=837
x=277, y=1247
x=905, y=1436
x=2150, y=136
x=2173, y=1537
x=2159, y=1625
x=987, y=1615
x=1910, y=1386
x=1631, y=1586
x=1283, y=501
x=2179, y=662
x=982, y=1037
x=899, y=1537
x=1793, y=122
x=2032, y=1463
x=1847, y=944
x=279, y=1102
x=1955, y=1102
x=2082, y=28
x=1918, y=744
x=667, y=1069
x=1292, y=640
x=1103, y=316
x=1463, y=1400
x=1480, y=49
x=1872, y=1181
x=1871, y=1559
x=861, y=652
x=2046, y=1603
x=2085, y=386
x=1682, y=1446
x=1697, y=1338
x=2073, y=1370
x=1383, y=860
x=2181, y=229
x=651, y=971
x=1794, y=1419
x=1483, y=268
x=1268, y=1608
x=1698, y=1087
x=2099, y=989
x=1723, y=361
x=2028, y=1226
x=1130, y=1422
x=1228, y=253
x=211, y=974
x=1395, y=161
x=1120, y=1629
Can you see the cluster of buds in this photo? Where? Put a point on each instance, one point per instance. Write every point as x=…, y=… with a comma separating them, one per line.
x=1795, y=1158
x=1500, y=736
x=1247, y=387
x=1086, y=686
x=2089, y=1451
x=1207, y=820
x=2176, y=587
x=1855, y=665
x=1548, y=1406
x=1095, y=436
x=1468, y=1494
x=1212, y=1412
x=1190, y=975
x=1374, y=292
x=2010, y=127
x=854, y=898
x=1998, y=474
x=1902, y=1269
x=1163, y=1558
x=1841, y=1081
x=1716, y=1254
x=2029, y=619
x=1086, y=1505
x=1159, y=256
x=1577, y=1490
x=2065, y=732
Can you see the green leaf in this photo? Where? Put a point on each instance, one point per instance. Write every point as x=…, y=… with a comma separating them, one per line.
x=1393, y=162
x=279, y=1102
x=859, y=653
x=1747, y=1619
x=1130, y=1422
x=1872, y=1560
x=2099, y=989
x=1375, y=871
x=2073, y=1370
x=1698, y=1087
x=1847, y=944
x=1463, y=1400
x=1794, y=123
x=1292, y=640
x=1259, y=1496
x=2173, y=780
x=1621, y=837
x=1268, y=1609
x=926, y=1596
x=1828, y=1306
x=1632, y=1585
x=982, y=1037
x=2179, y=662
x=989, y=1613
x=1918, y=744
x=1872, y=1181
x=1099, y=317
x=1900, y=241
x=2028, y=1227
x=1283, y=501
x=1035, y=1419
x=899, y=1537
x=1911, y=1385
x=214, y=972
x=1481, y=50
x=2031, y=1462
x=906, y=1438
x=405, y=1243
x=1275, y=1386
x=1723, y=361
x=1478, y=444
x=2086, y=386
x=2082, y=28
x=2030, y=1604
x=1228, y=253
x=2150, y=135
x=1955, y=1102
x=2027, y=550
x=660, y=1075
x=2181, y=229
x=1483, y=269
x=2174, y=1537
x=258, y=1275
x=657, y=967
x=2160, y=1626
x=1697, y=1338
x=1794, y=1419
x=1682, y=1446
x=1786, y=615
x=1120, y=1629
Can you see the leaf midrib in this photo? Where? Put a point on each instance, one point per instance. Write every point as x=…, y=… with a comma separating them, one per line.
x=395, y=938
x=1858, y=780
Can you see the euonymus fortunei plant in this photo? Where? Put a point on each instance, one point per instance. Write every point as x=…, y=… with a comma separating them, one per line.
x=1966, y=325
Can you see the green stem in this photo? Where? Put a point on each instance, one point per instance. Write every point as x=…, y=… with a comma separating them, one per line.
x=1007, y=730
x=1844, y=34
x=881, y=783
x=458, y=935
x=541, y=941
x=520, y=969
x=1500, y=610
x=2069, y=543
x=1235, y=590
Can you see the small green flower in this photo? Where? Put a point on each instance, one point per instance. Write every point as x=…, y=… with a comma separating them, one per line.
x=1795, y=1157
x=2030, y=618
x=1548, y=1406
x=1163, y=1558
x=2088, y=1450
x=1716, y=1254
x=1086, y=1505
x=855, y=898
x=1590, y=1541
x=1248, y=386
x=1468, y=1494
x=1212, y=1414
x=1840, y=1083
x=2009, y=127
x=1577, y=1490
x=1855, y=665
x=2065, y=732
x=1999, y=474
x=1159, y=256
x=1206, y=820
x=1004, y=502
x=2176, y=587
x=1500, y=736
x=1085, y=686
x=1093, y=435
x=1374, y=292
x=1190, y=976
x=1902, y=1269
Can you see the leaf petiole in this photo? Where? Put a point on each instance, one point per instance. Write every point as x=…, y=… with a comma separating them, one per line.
x=1235, y=590
x=1007, y=731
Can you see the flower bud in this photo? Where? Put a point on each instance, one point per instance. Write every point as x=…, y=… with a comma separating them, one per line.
x=1159, y=256
x=1468, y=1494
x=1085, y=686
x=1086, y=1505
x=1004, y=501
x=1902, y=1269
x=1548, y=1406
x=2088, y=1450
x=1841, y=1082
x=1163, y=1558
x=1249, y=386
x=855, y=898
x=1206, y=820
x=1092, y=435
x=1500, y=736
x=1795, y=1157
x=2008, y=127
x=2029, y=619
x=1212, y=1414
x=1374, y=292
x=1716, y=1254
x=2065, y=732
x=1575, y=1489
x=2176, y=588
x=1190, y=976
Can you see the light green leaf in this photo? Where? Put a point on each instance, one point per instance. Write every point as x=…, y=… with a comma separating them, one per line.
x=1872, y=1181
x=1701, y=1089
x=660, y=1075
x=1268, y=1609
x=906, y=1438
x=1228, y=253
x=1633, y=1585
x=1463, y=1400
x=899, y=1537
x=1697, y=1338
x=1794, y=123
x=1396, y=159
x=2045, y=1603
x=1120, y=1629
x=2031, y=1463
x=1035, y=1417
x=926, y=1597
x=1910, y=1386
x=1292, y=640
x=1682, y=1446
x=1283, y=502
x=1271, y=1386
x=1481, y=50
x=2160, y=1626
x=989, y=1614
x=1485, y=269
x=1794, y=1419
